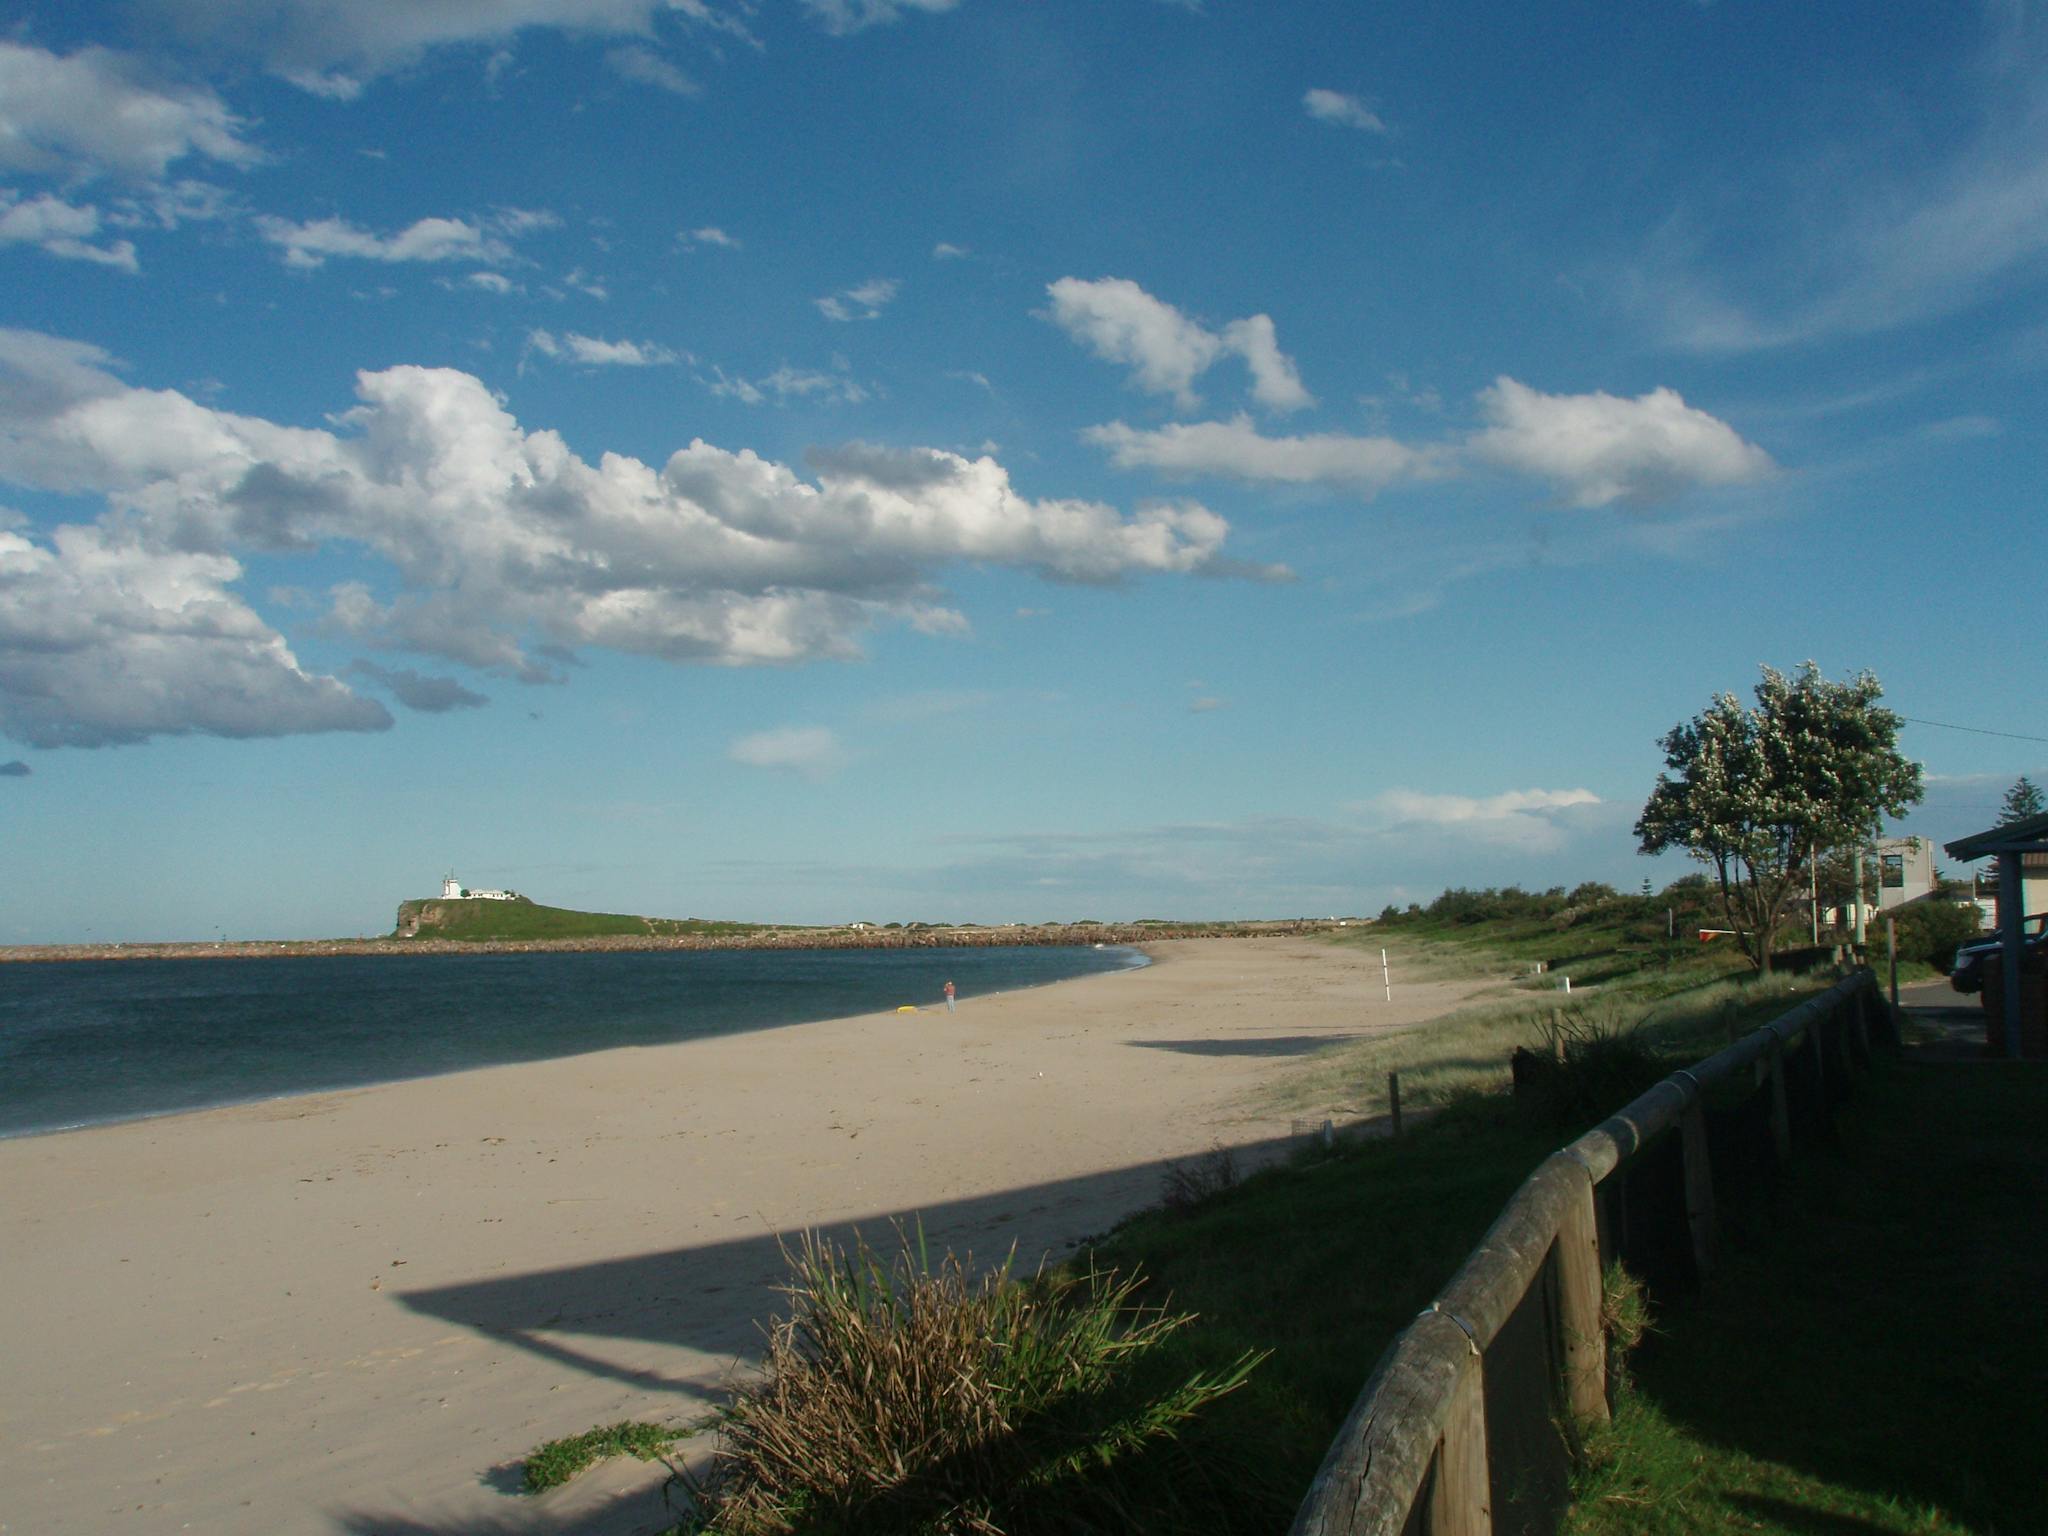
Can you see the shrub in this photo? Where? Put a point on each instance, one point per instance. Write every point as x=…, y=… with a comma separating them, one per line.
x=904, y=1397
x=1929, y=931
x=1184, y=1186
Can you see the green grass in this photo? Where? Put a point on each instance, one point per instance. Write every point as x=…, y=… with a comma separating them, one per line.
x=556, y=1462
x=1869, y=1353
x=1686, y=998
x=516, y=920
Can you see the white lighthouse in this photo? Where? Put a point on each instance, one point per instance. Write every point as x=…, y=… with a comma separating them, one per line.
x=451, y=888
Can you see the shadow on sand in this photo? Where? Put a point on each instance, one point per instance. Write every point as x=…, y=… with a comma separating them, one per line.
x=578, y=1315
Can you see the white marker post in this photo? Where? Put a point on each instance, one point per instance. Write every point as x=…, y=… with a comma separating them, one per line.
x=1386, y=978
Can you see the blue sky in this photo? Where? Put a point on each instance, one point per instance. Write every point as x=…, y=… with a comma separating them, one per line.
x=809, y=460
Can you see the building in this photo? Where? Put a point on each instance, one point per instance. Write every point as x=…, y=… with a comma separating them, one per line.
x=1905, y=871
x=451, y=890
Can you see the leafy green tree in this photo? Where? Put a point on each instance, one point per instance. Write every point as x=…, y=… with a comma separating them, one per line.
x=2023, y=802
x=1754, y=791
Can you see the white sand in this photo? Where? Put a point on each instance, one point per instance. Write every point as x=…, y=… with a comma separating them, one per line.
x=354, y=1312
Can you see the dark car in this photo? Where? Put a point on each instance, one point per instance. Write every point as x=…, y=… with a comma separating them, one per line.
x=1974, y=959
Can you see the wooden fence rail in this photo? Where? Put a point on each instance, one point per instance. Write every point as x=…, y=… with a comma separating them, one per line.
x=1467, y=1425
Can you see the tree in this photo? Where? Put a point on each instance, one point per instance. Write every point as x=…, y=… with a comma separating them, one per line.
x=2023, y=802
x=1756, y=792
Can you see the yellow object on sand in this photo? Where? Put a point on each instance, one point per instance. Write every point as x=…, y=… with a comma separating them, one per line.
x=908, y=1008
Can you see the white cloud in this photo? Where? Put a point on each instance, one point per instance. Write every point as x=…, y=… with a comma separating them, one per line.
x=1600, y=448
x=60, y=229
x=416, y=690
x=1519, y=818
x=313, y=243
x=1345, y=111
x=843, y=16
x=105, y=640
x=786, y=384
x=594, y=352
x=1236, y=449
x=811, y=750
x=491, y=282
x=646, y=67
x=1166, y=350
x=498, y=543
x=863, y=302
x=96, y=112
x=710, y=234
x=330, y=48
x=946, y=250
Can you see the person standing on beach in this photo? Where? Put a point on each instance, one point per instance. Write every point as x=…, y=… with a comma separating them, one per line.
x=949, y=995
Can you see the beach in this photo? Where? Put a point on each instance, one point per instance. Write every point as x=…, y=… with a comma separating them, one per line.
x=355, y=1311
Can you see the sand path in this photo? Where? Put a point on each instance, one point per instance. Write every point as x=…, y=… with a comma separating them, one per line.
x=351, y=1312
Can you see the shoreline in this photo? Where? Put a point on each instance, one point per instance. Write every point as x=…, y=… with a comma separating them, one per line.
x=1148, y=960
x=350, y=1312
x=1032, y=936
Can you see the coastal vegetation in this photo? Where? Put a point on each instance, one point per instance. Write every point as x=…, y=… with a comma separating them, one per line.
x=1311, y=1264
x=473, y=921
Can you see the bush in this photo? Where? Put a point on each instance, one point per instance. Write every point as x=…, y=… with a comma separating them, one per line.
x=1582, y=1072
x=898, y=1397
x=1929, y=931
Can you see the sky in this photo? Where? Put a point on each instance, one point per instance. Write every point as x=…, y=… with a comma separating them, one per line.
x=982, y=460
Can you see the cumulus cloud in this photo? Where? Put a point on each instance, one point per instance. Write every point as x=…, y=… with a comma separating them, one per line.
x=810, y=750
x=416, y=690
x=1600, y=448
x=1345, y=111
x=710, y=234
x=500, y=544
x=60, y=229
x=864, y=302
x=1595, y=449
x=96, y=112
x=314, y=243
x=1166, y=350
x=15, y=770
x=106, y=640
x=1235, y=449
x=946, y=250
x=595, y=352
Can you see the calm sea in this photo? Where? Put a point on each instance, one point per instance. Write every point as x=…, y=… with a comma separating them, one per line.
x=96, y=1041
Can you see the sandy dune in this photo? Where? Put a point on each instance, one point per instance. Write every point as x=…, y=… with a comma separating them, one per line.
x=352, y=1312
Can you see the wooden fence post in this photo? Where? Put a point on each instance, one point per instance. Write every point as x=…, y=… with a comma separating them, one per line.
x=1699, y=1181
x=1461, y=1492
x=1781, y=1110
x=1579, y=1298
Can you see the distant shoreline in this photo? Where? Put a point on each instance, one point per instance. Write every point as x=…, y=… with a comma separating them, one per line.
x=798, y=938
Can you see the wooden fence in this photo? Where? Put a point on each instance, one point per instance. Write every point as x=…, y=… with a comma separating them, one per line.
x=1467, y=1426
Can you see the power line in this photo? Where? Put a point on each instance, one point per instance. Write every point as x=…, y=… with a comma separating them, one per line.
x=1975, y=730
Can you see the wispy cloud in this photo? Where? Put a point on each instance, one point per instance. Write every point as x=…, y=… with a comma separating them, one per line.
x=811, y=751
x=863, y=301
x=1345, y=111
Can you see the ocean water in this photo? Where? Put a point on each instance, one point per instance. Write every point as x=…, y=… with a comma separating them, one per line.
x=96, y=1041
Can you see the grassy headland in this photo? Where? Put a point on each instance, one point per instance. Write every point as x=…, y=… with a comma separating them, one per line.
x=473, y=921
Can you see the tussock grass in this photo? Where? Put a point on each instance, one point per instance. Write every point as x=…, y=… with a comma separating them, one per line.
x=902, y=1396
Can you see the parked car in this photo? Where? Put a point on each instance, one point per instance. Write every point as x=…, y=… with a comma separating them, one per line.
x=1974, y=959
